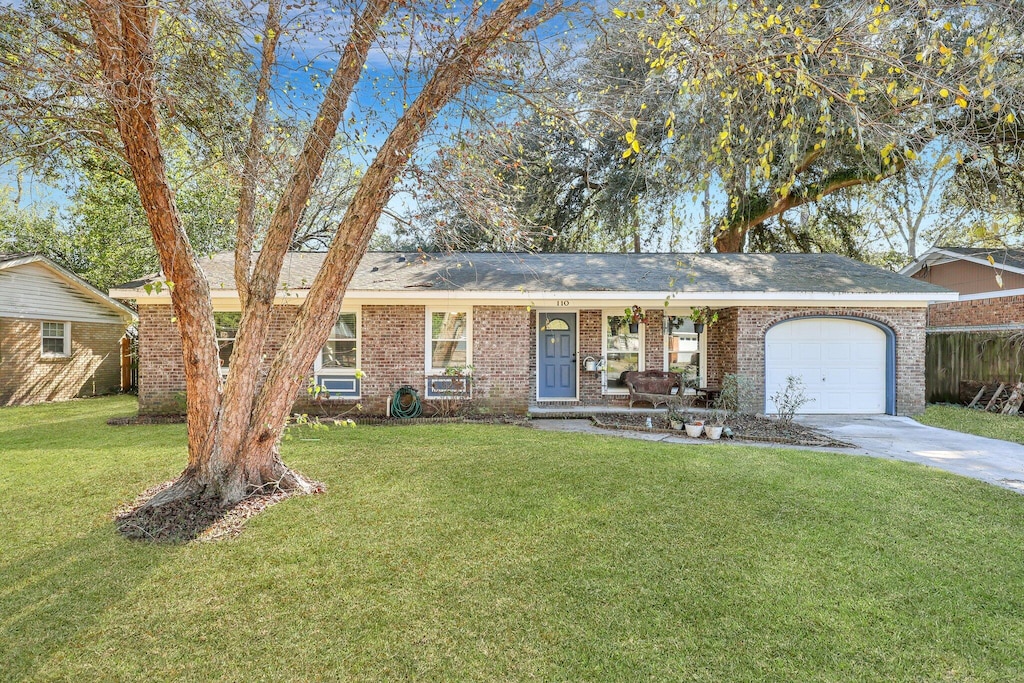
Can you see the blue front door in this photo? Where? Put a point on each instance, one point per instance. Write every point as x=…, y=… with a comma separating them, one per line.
x=556, y=355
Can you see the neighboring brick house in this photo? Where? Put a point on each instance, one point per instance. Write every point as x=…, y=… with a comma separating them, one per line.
x=531, y=325
x=60, y=337
x=977, y=338
x=991, y=292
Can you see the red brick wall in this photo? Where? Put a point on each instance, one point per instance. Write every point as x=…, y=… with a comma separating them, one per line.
x=654, y=341
x=721, y=347
x=1001, y=311
x=501, y=337
x=504, y=354
x=393, y=344
x=161, y=369
x=908, y=324
x=92, y=368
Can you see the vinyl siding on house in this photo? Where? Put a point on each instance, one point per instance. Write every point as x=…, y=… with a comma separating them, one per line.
x=34, y=292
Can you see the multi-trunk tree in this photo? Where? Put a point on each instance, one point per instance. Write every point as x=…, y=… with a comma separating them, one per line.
x=235, y=426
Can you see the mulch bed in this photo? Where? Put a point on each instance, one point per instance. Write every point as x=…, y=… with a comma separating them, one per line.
x=194, y=518
x=146, y=420
x=744, y=428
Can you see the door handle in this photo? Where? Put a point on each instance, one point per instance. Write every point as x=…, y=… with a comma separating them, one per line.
x=573, y=356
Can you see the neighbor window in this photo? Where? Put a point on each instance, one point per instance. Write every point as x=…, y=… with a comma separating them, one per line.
x=447, y=340
x=621, y=351
x=338, y=363
x=227, y=329
x=682, y=349
x=56, y=339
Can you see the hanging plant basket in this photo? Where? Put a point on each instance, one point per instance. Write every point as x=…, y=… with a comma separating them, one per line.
x=698, y=327
x=635, y=316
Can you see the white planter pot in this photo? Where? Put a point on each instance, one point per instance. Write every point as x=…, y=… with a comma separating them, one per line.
x=675, y=425
x=713, y=433
x=694, y=430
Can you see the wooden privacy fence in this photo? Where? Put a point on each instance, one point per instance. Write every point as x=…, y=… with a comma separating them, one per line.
x=129, y=361
x=955, y=357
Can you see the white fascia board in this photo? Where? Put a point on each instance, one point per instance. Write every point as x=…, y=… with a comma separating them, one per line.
x=998, y=294
x=578, y=300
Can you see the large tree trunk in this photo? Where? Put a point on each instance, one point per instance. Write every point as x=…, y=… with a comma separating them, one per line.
x=234, y=439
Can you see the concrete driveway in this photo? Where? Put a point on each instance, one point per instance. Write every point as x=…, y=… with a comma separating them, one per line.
x=901, y=438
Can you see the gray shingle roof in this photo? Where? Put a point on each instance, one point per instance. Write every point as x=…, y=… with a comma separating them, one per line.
x=517, y=272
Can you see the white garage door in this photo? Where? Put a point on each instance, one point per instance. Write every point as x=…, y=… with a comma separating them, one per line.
x=842, y=364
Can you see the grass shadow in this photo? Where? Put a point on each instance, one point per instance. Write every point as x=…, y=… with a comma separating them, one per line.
x=50, y=599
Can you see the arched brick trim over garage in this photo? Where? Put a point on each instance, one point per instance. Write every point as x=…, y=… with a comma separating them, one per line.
x=907, y=325
x=890, y=351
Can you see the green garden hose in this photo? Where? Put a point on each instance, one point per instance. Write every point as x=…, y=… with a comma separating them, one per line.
x=406, y=403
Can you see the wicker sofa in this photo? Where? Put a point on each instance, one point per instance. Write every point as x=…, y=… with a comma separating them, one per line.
x=656, y=387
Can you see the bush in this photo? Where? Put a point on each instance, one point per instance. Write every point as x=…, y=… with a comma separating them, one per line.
x=738, y=393
x=790, y=398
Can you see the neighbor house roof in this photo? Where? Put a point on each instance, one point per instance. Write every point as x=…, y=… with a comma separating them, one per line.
x=9, y=261
x=1005, y=259
x=417, y=274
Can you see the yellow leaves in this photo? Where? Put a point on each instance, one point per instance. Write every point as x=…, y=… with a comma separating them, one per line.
x=619, y=13
x=1010, y=118
x=996, y=107
x=943, y=162
x=944, y=93
x=631, y=140
x=962, y=102
x=991, y=261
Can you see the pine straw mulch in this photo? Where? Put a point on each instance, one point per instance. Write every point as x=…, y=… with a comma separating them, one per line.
x=744, y=428
x=194, y=518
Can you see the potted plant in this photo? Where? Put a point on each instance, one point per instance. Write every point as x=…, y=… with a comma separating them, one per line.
x=701, y=316
x=676, y=419
x=634, y=317
x=714, y=430
x=694, y=429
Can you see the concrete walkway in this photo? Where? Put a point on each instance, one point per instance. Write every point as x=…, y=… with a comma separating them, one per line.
x=880, y=436
x=901, y=438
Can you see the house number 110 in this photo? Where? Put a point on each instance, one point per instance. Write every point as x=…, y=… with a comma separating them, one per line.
x=563, y=303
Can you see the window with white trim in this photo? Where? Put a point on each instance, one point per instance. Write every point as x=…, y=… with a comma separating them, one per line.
x=226, y=324
x=447, y=340
x=337, y=365
x=682, y=349
x=621, y=351
x=449, y=353
x=56, y=340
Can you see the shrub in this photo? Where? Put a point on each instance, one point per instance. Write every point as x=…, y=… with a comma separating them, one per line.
x=738, y=393
x=790, y=398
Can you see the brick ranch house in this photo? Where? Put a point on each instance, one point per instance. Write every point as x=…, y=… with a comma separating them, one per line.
x=60, y=337
x=545, y=330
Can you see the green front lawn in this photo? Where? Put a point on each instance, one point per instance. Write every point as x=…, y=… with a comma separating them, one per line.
x=471, y=552
x=978, y=422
